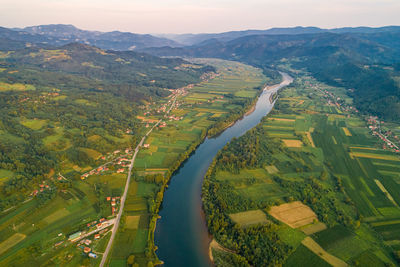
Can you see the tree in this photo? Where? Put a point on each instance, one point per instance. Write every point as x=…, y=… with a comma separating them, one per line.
x=131, y=259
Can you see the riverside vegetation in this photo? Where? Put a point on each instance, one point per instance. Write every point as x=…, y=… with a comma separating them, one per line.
x=55, y=134
x=311, y=150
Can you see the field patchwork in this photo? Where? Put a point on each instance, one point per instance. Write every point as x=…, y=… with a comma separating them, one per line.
x=11, y=241
x=318, y=250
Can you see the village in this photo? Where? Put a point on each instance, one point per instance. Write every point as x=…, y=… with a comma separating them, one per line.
x=373, y=123
x=375, y=126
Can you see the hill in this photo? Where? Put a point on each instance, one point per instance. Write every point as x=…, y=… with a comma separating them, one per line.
x=359, y=61
x=193, y=39
x=60, y=34
x=82, y=66
x=60, y=108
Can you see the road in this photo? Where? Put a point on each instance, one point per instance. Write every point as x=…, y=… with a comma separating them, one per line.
x=123, y=198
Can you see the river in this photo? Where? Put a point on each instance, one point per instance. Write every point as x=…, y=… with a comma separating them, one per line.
x=181, y=233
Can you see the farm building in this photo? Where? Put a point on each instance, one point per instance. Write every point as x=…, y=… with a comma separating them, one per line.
x=74, y=236
x=92, y=255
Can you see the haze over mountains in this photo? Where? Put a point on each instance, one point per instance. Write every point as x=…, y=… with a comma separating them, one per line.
x=59, y=34
x=364, y=59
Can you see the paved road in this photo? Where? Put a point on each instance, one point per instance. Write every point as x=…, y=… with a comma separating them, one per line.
x=123, y=198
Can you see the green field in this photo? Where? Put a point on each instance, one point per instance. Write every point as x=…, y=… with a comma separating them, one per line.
x=304, y=257
x=339, y=171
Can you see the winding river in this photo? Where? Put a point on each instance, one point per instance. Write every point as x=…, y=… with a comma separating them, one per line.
x=181, y=233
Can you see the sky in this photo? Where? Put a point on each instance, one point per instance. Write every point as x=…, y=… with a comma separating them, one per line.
x=198, y=16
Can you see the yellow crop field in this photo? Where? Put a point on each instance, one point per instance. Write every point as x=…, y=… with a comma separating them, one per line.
x=292, y=143
x=346, y=131
x=271, y=169
x=374, y=156
x=15, y=87
x=313, y=228
x=10, y=242
x=309, y=137
x=294, y=214
x=318, y=250
x=383, y=189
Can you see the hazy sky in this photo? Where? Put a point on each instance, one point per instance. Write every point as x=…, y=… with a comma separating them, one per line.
x=182, y=16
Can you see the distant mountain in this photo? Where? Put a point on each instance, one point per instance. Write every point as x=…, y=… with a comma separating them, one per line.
x=259, y=49
x=193, y=39
x=359, y=61
x=60, y=34
x=24, y=38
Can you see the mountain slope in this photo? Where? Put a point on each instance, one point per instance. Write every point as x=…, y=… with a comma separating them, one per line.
x=349, y=60
x=195, y=39
x=60, y=34
x=81, y=66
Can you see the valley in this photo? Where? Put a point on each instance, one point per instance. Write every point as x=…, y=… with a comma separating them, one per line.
x=275, y=147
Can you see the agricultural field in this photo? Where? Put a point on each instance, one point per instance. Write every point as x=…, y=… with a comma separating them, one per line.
x=294, y=214
x=197, y=108
x=248, y=218
x=322, y=156
x=67, y=147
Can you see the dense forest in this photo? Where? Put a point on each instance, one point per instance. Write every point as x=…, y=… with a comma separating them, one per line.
x=364, y=62
x=58, y=104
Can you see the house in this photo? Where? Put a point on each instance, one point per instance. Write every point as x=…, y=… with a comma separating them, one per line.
x=108, y=198
x=87, y=249
x=146, y=145
x=74, y=236
x=88, y=242
x=58, y=243
x=120, y=170
x=92, y=255
x=97, y=236
x=102, y=220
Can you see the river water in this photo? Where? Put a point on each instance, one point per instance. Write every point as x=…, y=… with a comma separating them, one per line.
x=181, y=233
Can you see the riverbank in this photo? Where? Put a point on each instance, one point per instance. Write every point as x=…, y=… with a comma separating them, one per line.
x=170, y=145
x=310, y=155
x=181, y=234
x=215, y=245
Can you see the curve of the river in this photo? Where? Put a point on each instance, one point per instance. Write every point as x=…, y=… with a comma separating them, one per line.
x=181, y=233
